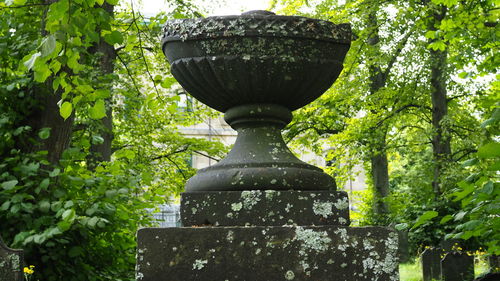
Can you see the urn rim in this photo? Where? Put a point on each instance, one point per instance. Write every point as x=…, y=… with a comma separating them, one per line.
x=256, y=25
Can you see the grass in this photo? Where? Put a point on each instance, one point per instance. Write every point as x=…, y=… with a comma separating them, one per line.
x=412, y=271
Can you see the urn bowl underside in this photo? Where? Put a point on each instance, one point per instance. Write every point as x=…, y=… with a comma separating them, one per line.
x=227, y=72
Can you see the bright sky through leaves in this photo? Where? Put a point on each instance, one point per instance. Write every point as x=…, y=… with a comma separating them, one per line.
x=221, y=7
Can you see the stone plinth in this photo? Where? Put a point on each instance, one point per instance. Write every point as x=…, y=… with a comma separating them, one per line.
x=11, y=263
x=262, y=253
x=264, y=207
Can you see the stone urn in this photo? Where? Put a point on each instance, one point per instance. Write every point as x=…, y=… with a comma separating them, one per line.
x=257, y=68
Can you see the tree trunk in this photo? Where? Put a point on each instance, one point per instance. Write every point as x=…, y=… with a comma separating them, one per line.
x=45, y=114
x=378, y=157
x=440, y=141
x=380, y=176
x=102, y=151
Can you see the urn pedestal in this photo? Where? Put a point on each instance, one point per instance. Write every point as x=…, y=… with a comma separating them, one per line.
x=261, y=214
x=268, y=235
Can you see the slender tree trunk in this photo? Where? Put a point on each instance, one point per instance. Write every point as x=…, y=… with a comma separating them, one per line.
x=378, y=157
x=380, y=178
x=102, y=151
x=441, y=142
x=45, y=114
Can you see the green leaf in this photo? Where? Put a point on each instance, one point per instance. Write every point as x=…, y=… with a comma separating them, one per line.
x=445, y=219
x=44, y=183
x=8, y=185
x=64, y=225
x=437, y=45
x=112, y=2
x=54, y=172
x=490, y=150
x=65, y=110
x=467, y=188
x=401, y=226
x=430, y=34
x=92, y=222
x=5, y=206
x=100, y=2
x=488, y=187
x=42, y=72
x=31, y=62
x=115, y=37
x=69, y=215
x=73, y=58
x=470, y=162
x=44, y=133
x=460, y=215
x=425, y=217
x=48, y=45
x=44, y=206
x=97, y=111
x=75, y=251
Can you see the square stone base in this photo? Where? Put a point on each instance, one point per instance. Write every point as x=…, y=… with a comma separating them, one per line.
x=264, y=208
x=267, y=253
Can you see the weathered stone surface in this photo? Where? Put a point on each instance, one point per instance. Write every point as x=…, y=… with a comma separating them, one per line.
x=457, y=267
x=11, y=263
x=403, y=247
x=431, y=260
x=267, y=253
x=266, y=207
x=257, y=68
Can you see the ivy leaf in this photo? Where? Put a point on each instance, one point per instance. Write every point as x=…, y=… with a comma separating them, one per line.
x=8, y=185
x=424, y=218
x=65, y=110
x=115, y=37
x=97, y=111
x=48, y=45
x=44, y=133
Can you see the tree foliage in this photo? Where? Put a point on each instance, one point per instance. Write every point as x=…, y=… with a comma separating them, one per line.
x=87, y=108
x=416, y=86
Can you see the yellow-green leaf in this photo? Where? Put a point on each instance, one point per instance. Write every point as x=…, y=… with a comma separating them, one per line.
x=97, y=111
x=65, y=110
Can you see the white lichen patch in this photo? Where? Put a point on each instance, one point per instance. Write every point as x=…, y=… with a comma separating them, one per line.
x=250, y=198
x=199, y=264
x=230, y=236
x=289, y=275
x=323, y=209
x=236, y=206
x=270, y=194
x=312, y=240
x=342, y=204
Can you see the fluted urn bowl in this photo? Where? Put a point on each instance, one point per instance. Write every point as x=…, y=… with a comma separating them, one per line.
x=257, y=68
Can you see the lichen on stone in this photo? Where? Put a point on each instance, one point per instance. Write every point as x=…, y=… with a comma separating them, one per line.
x=236, y=206
x=199, y=264
x=289, y=275
x=250, y=198
x=323, y=209
x=342, y=204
